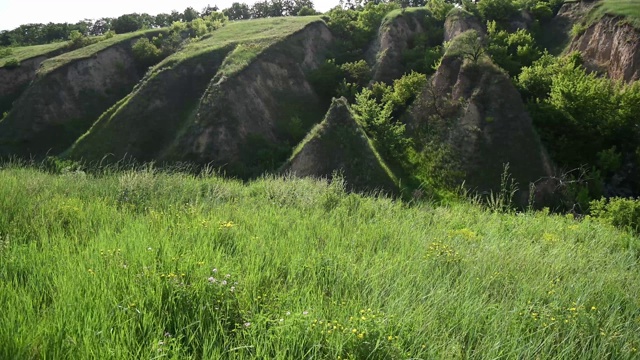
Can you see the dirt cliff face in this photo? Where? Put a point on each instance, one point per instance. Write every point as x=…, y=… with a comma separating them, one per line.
x=394, y=37
x=458, y=22
x=147, y=120
x=14, y=81
x=62, y=104
x=339, y=145
x=612, y=46
x=491, y=127
x=248, y=122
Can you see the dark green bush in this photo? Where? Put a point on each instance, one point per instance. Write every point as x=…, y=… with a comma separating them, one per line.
x=12, y=63
x=145, y=52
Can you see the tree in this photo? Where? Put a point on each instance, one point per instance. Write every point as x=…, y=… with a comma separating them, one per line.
x=190, y=14
x=127, y=23
x=101, y=26
x=468, y=45
x=208, y=10
x=238, y=11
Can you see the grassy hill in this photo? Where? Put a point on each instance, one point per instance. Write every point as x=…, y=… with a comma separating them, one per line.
x=22, y=53
x=144, y=264
x=630, y=9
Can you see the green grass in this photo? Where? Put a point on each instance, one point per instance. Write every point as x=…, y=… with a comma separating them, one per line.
x=22, y=53
x=630, y=9
x=89, y=51
x=132, y=265
x=259, y=31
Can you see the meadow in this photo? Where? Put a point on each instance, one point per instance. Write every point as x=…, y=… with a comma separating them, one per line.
x=147, y=264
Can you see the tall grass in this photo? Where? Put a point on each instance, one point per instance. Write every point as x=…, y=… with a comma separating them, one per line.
x=148, y=264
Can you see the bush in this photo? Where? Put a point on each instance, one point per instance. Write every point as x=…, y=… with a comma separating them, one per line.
x=145, y=52
x=619, y=212
x=497, y=10
x=511, y=51
x=6, y=52
x=12, y=63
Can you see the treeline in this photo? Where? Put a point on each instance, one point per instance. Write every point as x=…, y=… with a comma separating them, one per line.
x=37, y=34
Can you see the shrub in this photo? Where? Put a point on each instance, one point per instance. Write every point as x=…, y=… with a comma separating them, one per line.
x=578, y=29
x=12, y=63
x=498, y=10
x=620, y=212
x=145, y=52
x=6, y=52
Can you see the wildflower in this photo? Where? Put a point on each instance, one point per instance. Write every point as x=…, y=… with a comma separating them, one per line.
x=227, y=276
x=593, y=308
x=288, y=313
x=247, y=324
x=232, y=289
x=211, y=279
x=224, y=282
x=214, y=270
x=167, y=334
x=305, y=313
x=361, y=336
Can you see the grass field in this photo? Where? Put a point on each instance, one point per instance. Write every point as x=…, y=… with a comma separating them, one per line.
x=144, y=264
x=22, y=53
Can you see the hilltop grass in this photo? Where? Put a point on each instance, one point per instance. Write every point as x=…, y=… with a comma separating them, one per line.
x=259, y=31
x=145, y=264
x=22, y=53
x=629, y=9
x=89, y=51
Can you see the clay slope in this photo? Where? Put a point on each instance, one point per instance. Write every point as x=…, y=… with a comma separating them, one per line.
x=248, y=122
x=397, y=34
x=459, y=21
x=62, y=102
x=239, y=101
x=613, y=46
x=338, y=145
x=14, y=80
x=491, y=127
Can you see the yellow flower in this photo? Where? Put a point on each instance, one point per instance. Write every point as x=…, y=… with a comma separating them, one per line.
x=361, y=336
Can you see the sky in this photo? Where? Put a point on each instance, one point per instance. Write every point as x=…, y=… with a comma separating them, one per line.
x=14, y=13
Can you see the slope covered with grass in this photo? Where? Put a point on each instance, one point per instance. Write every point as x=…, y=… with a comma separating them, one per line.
x=22, y=53
x=629, y=9
x=141, y=264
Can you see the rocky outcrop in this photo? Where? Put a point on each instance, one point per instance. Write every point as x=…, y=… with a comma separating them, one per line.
x=611, y=45
x=394, y=37
x=338, y=145
x=459, y=21
x=490, y=128
x=62, y=104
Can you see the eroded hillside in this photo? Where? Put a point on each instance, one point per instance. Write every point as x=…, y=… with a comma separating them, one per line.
x=436, y=105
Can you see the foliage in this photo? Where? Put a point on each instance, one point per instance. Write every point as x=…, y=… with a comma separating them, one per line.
x=145, y=52
x=468, y=45
x=620, y=212
x=355, y=29
x=582, y=118
x=497, y=10
x=439, y=8
x=12, y=63
x=511, y=51
x=376, y=119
